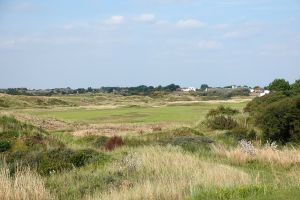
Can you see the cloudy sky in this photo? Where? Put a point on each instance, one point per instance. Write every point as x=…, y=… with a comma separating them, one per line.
x=81, y=43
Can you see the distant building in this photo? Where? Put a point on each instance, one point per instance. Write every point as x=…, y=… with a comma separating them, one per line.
x=258, y=91
x=189, y=89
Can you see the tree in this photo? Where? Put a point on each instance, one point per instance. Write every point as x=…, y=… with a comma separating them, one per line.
x=172, y=87
x=295, y=87
x=204, y=87
x=279, y=85
x=277, y=115
x=280, y=121
x=89, y=89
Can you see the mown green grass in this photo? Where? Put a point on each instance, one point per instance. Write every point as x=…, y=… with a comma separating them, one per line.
x=184, y=114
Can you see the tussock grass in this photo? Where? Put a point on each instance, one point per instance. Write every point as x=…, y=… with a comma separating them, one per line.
x=23, y=185
x=266, y=155
x=169, y=173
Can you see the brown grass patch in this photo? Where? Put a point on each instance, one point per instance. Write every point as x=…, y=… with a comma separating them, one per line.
x=110, y=129
x=169, y=173
x=265, y=155
x=24, y=185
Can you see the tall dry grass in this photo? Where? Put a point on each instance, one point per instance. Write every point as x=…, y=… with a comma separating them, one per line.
x=169, y=173
x=285, y=158
x=24, y=185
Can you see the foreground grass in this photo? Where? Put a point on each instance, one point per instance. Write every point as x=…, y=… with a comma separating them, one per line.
x=168, y=173
x=23, y=185
x=284, y=158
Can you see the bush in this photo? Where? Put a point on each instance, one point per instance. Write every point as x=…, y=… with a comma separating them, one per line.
x=295, y=87
x=240, y=132
x=222, y=110
x=280, y=121
x=278, y=116
x=113, y=143
x=220, y=118
x=100, y=141
x=4, y=146
x=82, y=157
x=55, y=160
x=221, y=123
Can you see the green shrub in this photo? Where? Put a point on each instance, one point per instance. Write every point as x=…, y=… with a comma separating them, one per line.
x=278, y=116
x=190, y=143
x=222, y=110
x=100, y=141
x=221, y=123
x=221, y=118
x=240, y=132
x=82, y=157
x=55, y=160
x=4, y=146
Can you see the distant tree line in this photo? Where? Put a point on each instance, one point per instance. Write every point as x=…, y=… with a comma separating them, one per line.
x=138, y=90
x=141, y=90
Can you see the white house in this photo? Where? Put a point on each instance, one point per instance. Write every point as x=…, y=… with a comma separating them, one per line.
x=264, y=93
x=258, y=91
x=189, y=89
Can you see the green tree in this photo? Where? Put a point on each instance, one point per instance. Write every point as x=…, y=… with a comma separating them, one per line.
x=295, y=87
x=90, y=89
x=277, y=115
x=280, y=121
x=279, y=85
x=204, y=86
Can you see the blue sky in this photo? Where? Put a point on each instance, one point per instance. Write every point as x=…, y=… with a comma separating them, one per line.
x=81, y=43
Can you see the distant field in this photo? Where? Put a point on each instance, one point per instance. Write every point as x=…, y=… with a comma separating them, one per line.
x=177, y=113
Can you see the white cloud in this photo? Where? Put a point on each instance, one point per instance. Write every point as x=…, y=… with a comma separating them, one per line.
x=209, y=45
x=221, y=26
x=24, y=7
x=161, y=22
x=115, y=20
x=190, y=23
x=7, y=43
x=245, y=30
x=232, y=34
x=148, y=18
x=76, y=25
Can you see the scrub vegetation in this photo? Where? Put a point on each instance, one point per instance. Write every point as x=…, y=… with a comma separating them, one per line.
x=109, y=146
